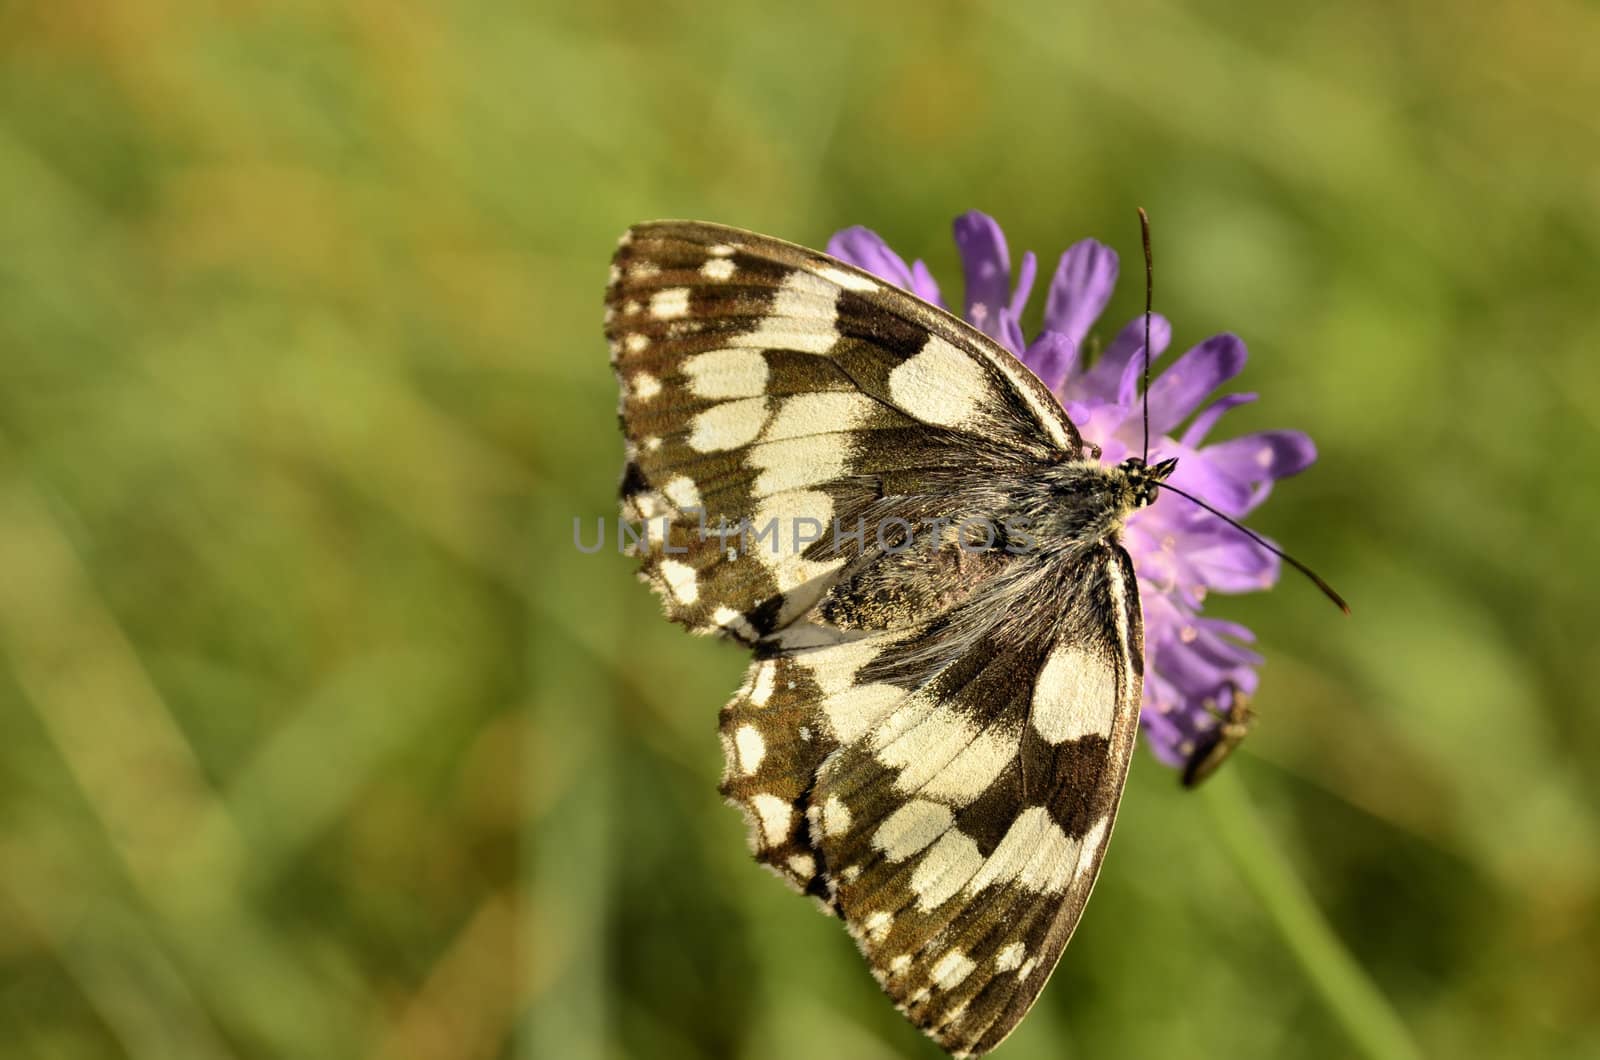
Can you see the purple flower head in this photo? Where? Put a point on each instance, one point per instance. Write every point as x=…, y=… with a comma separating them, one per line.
x=1193, y=664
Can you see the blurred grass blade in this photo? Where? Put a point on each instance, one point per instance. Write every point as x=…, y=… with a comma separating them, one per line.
x=1350, y=995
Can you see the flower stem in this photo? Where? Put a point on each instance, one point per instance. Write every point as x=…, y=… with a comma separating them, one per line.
x=1352, y=997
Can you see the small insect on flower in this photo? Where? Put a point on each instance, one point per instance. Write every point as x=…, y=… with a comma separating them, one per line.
x=934, y=539
x=1212, y=747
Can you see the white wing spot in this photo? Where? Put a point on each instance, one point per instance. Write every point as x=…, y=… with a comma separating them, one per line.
x=645, y=386
x=681, y=490
x=900, y=964
x=795, y=462
x=1092, y=841
x=681, y=581
x=822, y=413
x=730, y=619
x=951, y=969
x=802, y=317
x=636, y=342
x=847, y=279
x=717, y=269
x=782, y=525
x=1132, y=683
x=876, y=927
x=1074, y=695
x=776, y=817
x=940, y=385
x=752, y=748
x=670, y=303
x=951, y=1018
x=720, y=250
x=651, y=444
x=728, y=425
x=911, y=828
x=945, y=868
x=1034, y=853
x=834, y=667
x=1010, y=958
x=943, y=756
x=643, y=270
x=729, y=373
x=766, y=675
x=855, y=711
x=803, y=865
x=835, y=817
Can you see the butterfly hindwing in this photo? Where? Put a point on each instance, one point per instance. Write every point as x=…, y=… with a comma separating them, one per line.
x=977, y=806
x=931, y=739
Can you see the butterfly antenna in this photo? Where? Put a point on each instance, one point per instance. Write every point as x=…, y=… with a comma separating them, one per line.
x=1149, y=294
x=1316, y=578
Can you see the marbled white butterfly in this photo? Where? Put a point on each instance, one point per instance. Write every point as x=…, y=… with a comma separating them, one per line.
x=933, y=736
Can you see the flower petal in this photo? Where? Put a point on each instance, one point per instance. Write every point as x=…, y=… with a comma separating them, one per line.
x=1232, y=564
x=1199, y=475
x=1185, y=383
x=1163, y=736
x=924, y=286
x=1011, y=333
x=986, y=267
x=1050, y=357
x=1193, y=672
x=1103, y=379
x=1080, y=289
x=1025, y=275
x=1206, y=641
x=1221, y=627
x=1128, y=385
x=1263, y=455
x=1209, y=416
x=865, y=249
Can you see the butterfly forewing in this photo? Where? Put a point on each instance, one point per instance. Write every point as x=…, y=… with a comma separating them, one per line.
x=932, y=740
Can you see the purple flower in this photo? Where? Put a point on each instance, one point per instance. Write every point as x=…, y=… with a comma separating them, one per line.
x=1182, y=553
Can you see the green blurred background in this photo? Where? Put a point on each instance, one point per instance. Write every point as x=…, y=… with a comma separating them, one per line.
x=319, y=739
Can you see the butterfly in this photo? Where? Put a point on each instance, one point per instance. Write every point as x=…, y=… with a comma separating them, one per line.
x=932, y=738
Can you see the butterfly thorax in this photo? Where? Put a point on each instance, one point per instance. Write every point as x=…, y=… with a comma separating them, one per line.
x=1082, y=504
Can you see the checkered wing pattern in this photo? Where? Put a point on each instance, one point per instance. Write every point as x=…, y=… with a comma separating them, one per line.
x=932, y=740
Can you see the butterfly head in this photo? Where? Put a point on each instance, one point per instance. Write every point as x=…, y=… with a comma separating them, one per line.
x=1142, y=479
